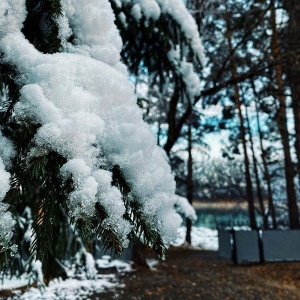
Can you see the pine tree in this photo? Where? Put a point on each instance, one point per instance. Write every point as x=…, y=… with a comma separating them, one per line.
x=162, y=48
x=163, y=51
x=81, y=162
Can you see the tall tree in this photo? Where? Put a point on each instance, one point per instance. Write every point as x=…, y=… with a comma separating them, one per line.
x=238, y=103
x=256, y=174
x=282, y=126
x=189, y=181
x=266, y=171
x=293, y=67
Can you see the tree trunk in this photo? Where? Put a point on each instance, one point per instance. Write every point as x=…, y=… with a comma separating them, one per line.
x=139, y=253
x=52, y=269
x=293, y=68
x=257, y=179
x=283, y=129
x=190, y=185
x=265, y=164
x=238, y=103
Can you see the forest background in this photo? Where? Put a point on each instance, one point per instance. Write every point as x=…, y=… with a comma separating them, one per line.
x=244, y=87
x=250, y=102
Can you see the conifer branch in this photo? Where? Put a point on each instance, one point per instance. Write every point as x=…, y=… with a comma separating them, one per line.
x=142, y=229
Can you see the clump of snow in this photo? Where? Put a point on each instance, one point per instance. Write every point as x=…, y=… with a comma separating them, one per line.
x=191, y=80
x=87, y=113
x=122, y=18
x=6, y=221
x=7, y=151
x=184, y=207
x=149, y=8
x=90, y=265
x=204, y=238
x=151, y=262
x=6, y=225
x=120, y=265
x=12, y=15
x=179, y=12
x=136, y=12
x=4, y=180
x=37, y=270
x=186, y=70
x=92, y=24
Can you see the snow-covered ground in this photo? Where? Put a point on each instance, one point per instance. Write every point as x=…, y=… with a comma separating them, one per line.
x=75, y=288
x=204, y=238
x=12, y=283
x=70, y=289
x=78, y=287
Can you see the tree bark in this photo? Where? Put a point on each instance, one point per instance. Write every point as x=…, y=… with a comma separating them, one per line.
x=293, y=68
x=190, y=185
x=283, y=129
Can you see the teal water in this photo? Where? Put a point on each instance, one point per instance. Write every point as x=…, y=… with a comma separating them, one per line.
x=215, y=217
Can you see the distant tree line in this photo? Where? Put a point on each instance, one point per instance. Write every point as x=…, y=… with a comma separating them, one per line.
x=252, y=71
x=253, y=57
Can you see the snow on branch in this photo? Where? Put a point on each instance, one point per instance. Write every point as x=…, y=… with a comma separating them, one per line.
x=184, y=207
x=86, y=109
x=176, y=9
x=6, y=221
x=177, y=43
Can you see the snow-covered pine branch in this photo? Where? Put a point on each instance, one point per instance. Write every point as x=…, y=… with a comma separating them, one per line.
x=152, y=10
x=161, y=37
x=84, y=109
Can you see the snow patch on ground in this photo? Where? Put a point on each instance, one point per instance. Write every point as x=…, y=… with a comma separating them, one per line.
x=75, y=288
x=120, y=265
x=70, y=289
x=14, y=282
x=204, y=238
x=152, y=263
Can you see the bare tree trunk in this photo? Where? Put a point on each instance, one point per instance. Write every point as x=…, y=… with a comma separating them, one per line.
x=238, y=103
x=293, y=68
x=190, y=185
x=258, y=186
x=283, y=129
x=265, y=164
